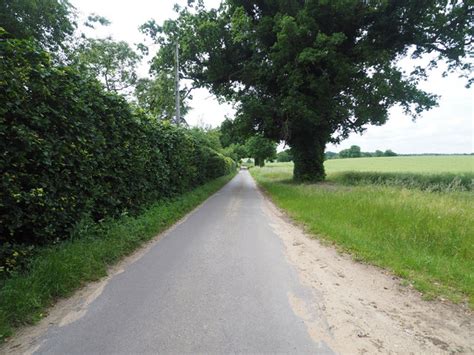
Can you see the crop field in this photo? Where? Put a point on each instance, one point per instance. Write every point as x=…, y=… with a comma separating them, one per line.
x=423, y=236
x=432, y=173
x=406, y=164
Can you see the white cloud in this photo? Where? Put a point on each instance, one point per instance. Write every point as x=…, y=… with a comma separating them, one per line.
x=448, y=128
x=126, y=17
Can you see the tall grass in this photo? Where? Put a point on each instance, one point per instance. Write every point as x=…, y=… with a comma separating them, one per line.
x=429, y=182
x=425, y=237
x=59, y=270
x=429, y=173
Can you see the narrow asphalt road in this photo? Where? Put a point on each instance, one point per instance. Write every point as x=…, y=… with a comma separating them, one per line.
x=218, y=282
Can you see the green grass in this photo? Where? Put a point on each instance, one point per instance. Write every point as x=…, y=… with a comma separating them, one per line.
x=60, y=270
x=406, y=164
x=430, y=173
x=425, y=237
x=424, y=164
x=447, y=182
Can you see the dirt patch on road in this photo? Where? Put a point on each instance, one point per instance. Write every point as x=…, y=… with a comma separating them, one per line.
x=365, y=309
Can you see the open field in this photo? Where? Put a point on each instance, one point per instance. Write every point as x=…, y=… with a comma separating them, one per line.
x=423, y=164
x=405, y=164
x=425, y=237
x=431, y=173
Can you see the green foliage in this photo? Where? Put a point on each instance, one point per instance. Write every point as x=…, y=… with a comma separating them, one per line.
x=208, y=136
x=157, y=97
x=213, y=164
x=94, y=19
x=233, y=140
x=261, y=148
x=49, y=22
x=311, y=72
x=72, y=151
x=389, y=153
x=248, y=163
x=14, y=257
x=227, y=134
x=422, y=236
x=236, y=151
x=114, y=63
x=56, y=271
x=355, y=152
x=352, y=152
x=331, y=155
x=212, y=160
x=284, y=156
x=232, y=133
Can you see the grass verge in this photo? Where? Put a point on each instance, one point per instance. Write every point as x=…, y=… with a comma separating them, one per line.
x=448, y=182
x=427, y=238
x=60, y=270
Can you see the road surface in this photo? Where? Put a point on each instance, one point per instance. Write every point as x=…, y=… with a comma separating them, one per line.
x=218, y=282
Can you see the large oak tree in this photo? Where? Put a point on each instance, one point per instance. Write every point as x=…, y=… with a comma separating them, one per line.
x=310, y=72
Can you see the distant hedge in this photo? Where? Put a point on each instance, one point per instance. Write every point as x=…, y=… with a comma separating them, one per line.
x=70, y=150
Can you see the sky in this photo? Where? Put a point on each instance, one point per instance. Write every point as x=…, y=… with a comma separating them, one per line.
x=448, y=128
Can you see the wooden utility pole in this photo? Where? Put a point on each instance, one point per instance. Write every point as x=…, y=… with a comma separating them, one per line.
x=178, y=108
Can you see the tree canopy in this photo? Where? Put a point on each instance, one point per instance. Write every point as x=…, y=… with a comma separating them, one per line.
x=114, y=63
x=156, y=96
x=49, y=22
x=284, y=156
x=261, y=149
x=311, y=72
x=352, y=152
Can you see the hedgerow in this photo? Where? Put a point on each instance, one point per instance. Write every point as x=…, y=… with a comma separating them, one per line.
x=72, y=151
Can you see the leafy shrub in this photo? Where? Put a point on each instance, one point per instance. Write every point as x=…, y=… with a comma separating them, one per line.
x=72, y=151
x=14, y=257
x=213, y=164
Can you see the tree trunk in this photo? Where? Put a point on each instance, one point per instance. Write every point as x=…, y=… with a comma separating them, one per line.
x=259, y=162
x=308, y=156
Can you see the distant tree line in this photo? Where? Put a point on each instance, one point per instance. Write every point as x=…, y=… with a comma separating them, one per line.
x=434, y=154
x=355, y=152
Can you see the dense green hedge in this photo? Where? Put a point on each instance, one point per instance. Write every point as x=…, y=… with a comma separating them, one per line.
x=70, y=150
